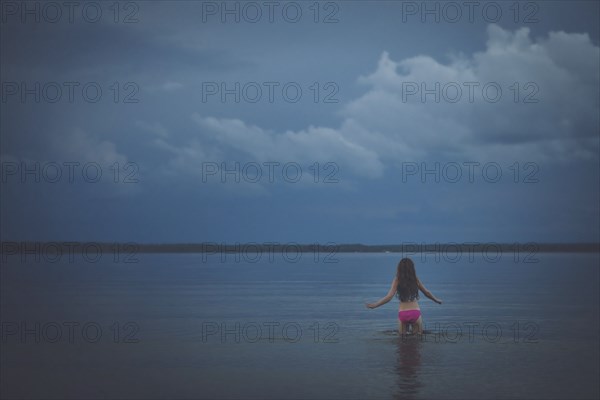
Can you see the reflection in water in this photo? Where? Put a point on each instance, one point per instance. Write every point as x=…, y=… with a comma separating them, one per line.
x=408, y=365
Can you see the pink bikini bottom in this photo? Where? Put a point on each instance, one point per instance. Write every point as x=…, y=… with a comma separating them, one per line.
x=409, y=316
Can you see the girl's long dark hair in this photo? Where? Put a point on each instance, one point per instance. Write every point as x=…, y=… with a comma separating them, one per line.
x=408, y=289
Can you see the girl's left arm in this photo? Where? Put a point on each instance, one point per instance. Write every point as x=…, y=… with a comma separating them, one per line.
x=387, y=297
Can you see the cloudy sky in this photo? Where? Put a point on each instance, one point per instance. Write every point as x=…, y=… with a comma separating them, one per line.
x=344, y=122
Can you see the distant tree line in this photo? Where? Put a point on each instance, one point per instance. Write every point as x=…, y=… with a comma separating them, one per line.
x=7, y=247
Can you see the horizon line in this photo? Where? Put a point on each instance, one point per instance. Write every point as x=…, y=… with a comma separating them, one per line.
x=214, y=247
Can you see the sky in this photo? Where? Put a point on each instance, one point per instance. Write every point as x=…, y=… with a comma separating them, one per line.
x=374, y=122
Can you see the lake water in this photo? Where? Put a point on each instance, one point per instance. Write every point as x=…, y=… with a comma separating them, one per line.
x=194, y=326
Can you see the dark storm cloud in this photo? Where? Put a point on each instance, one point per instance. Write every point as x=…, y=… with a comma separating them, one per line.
x=52, y=49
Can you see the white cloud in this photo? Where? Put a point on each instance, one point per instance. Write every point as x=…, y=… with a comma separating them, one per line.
x=562, y=124
x=384, y=127
x=314, y=144
x=81, y=146
x=153, y=128
x=82, y=157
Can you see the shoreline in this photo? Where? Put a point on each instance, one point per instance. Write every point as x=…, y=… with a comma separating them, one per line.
x=18, y=247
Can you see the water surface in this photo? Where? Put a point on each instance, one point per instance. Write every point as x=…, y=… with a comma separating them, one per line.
x=192, y=326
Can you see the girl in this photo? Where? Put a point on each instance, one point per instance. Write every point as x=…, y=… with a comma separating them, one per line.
x=406, y=285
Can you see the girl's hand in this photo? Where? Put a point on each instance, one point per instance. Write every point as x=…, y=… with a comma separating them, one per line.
x=438, y=301
x=370, y=305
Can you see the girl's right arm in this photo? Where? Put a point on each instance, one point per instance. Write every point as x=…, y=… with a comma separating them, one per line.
x=427, y=292
x=387, y=297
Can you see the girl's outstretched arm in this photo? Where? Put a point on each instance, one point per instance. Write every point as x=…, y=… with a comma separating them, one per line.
x=427, y=292
x=387, y=297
